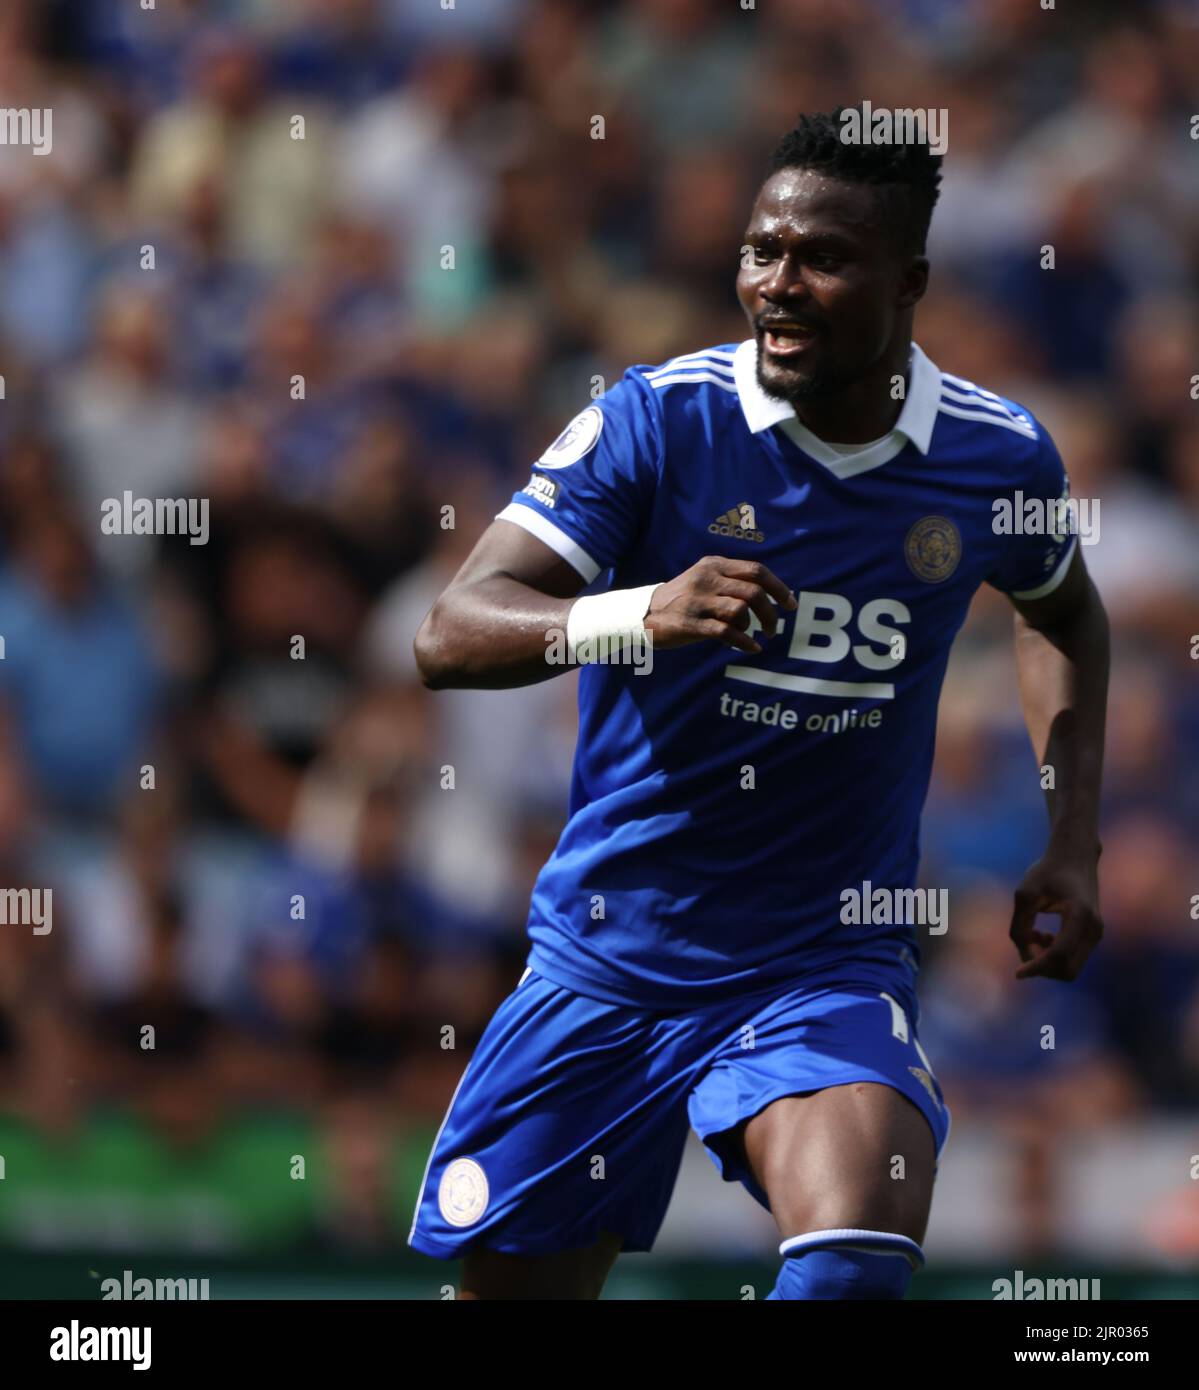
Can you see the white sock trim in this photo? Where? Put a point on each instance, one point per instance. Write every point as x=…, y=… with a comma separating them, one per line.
x=851, y=1238
x=599, y=623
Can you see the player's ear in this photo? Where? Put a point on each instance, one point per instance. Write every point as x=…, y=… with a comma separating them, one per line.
x=913, y=282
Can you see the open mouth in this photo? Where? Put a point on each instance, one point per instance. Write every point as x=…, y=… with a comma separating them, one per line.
x=788, y=339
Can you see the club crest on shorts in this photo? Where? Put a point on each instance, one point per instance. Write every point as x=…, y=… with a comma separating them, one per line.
x=575, y=440
x=462, y=1194
x=933, y=548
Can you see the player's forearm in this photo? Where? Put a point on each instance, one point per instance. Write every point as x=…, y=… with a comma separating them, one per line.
x=1063, y=674
x=491, y=634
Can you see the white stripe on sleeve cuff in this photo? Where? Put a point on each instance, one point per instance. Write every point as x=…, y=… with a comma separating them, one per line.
x=1042, y=590
x=557, y=540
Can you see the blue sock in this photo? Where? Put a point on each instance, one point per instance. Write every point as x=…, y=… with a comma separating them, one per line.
x=846, y=1264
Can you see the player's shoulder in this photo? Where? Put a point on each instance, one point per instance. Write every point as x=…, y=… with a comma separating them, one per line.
x=712, y=366
x=707, y=372
x=663, y=397
x=990, y=422
x=635, y=407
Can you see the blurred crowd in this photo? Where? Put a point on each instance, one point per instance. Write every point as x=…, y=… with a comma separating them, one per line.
x=306, y=872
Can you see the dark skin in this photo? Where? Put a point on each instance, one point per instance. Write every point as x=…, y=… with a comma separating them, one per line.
x=822, y=260
x=830, y=296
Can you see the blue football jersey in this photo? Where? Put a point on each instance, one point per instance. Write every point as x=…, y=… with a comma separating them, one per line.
x=721, y=803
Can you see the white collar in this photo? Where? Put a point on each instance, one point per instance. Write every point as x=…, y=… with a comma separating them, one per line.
x=915, y=423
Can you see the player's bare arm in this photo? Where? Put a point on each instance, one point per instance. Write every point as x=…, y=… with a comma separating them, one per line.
x=490, y=628
x=1062, y=662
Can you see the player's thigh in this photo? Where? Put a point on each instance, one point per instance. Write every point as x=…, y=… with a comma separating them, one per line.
x=859, y=1155
x=569, y=1274
x=568, y=1124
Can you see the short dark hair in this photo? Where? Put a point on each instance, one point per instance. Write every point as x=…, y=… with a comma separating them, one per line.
x=906, y=175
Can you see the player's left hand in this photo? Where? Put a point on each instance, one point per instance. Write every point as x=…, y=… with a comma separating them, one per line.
x=1066, y=885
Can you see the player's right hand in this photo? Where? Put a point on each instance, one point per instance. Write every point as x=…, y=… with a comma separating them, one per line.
x=713, y=600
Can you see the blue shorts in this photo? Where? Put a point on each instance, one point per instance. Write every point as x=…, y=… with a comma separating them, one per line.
x=571, y=1116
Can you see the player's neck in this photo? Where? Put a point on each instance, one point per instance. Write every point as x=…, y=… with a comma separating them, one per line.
x=866, y=410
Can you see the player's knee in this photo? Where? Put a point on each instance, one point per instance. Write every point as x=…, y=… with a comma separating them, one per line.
x=846, y=1264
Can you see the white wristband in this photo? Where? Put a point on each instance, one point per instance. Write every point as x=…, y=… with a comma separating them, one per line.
x=601, y=623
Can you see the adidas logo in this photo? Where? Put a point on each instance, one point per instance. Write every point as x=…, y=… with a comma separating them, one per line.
x=738, y=522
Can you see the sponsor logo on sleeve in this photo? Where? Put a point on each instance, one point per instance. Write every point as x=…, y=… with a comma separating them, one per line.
x=543, y=490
